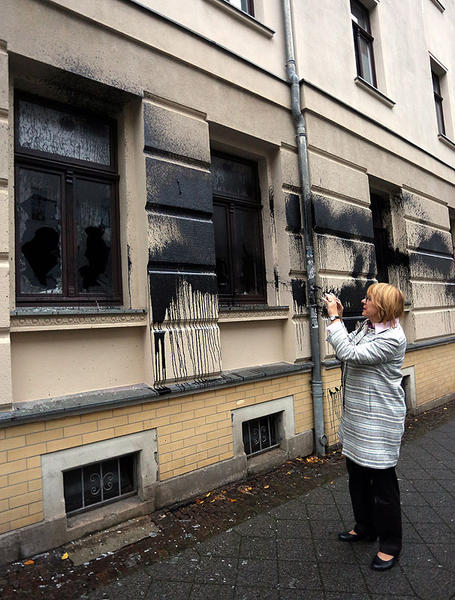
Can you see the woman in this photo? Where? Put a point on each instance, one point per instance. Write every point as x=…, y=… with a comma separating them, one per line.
x=372, y=422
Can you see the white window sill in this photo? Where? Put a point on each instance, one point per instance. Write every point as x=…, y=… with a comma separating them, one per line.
x=243, y=17
x=252, y=313
x=447, y=141
x=374, y=92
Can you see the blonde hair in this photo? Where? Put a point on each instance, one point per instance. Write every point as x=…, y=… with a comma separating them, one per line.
x=388, y=300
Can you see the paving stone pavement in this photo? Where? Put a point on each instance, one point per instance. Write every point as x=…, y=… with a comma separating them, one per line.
x=292, y=552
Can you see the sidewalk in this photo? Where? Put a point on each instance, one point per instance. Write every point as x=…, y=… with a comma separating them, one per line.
x=286, y=550
x=291, y=552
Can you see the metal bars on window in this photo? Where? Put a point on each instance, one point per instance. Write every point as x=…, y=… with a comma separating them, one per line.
x=260, y=434
x=99, y=483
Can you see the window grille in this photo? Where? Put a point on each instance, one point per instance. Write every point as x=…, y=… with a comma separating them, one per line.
x=99, y=483
x=260, y=434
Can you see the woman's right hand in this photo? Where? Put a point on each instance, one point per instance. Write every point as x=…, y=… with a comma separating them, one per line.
x=340, y=308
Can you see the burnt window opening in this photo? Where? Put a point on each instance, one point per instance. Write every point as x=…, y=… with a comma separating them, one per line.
x=363, y=42
x=260, y=434
x=380, y=212
x=244, y=5
x=438, y=100
x=452, y=228
x=66, y=205
x=237, y=217
x=99, y=483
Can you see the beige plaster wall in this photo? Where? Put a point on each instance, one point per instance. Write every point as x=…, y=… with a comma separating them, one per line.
x=57, y=363
x=404, y=34
x=259, y=343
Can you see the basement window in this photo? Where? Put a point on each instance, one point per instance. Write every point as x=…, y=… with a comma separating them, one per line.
x=260, y=434
x=99, y=483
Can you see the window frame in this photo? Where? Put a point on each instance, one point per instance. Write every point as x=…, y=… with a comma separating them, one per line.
x=87, y=507
x=70, y=170
x=438, y=101
x=359, y=32
x=249, y=10
x=229, y=201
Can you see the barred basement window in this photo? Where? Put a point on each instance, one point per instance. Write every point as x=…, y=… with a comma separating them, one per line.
x=99, y=483
x=260, y=434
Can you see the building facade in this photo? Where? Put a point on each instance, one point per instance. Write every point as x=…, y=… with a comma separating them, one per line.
x=155, y=323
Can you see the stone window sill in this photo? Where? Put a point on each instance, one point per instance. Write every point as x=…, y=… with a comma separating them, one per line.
x=56, y=318
x=374, y=92
x=447, y=141
x=243, y=17
x=255, y=312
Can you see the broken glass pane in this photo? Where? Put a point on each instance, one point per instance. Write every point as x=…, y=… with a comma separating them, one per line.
x=63, y=133
x=92, y=205
x=39, y=215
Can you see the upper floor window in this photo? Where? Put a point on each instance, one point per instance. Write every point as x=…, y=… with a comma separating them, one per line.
x=438, y=102
x=67, y=239
x=363, y=42
x=245, y=5
x=238, y=230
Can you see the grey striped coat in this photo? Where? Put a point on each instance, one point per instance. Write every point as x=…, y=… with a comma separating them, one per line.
x=374, y=408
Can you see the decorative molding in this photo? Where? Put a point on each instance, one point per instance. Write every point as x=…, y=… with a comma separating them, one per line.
x=77, y=320
x=374, y=91
x=269, y=313
x=244, y=17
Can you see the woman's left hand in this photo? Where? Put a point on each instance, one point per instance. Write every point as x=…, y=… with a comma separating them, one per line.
x=331, y=303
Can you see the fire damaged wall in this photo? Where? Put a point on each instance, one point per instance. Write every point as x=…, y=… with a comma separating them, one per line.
x=345, y=252
x=184, y=307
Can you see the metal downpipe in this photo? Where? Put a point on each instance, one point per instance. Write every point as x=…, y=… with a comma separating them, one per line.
x=320, y=439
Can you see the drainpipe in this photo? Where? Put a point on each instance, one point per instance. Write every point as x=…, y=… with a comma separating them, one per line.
x=320, y=439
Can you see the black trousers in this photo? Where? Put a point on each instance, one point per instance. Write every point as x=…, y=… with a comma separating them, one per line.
x=375, y=498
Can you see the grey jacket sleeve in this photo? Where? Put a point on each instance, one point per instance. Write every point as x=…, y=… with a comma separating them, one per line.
x=383, y=348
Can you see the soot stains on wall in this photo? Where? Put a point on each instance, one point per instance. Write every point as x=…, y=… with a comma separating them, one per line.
x=298, y=288
x=293, y=215
x=177, y=186
x=185, y=309
x=341, y=218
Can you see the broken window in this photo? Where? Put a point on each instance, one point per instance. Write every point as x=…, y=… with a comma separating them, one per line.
x=238, y=230
x=67, y=248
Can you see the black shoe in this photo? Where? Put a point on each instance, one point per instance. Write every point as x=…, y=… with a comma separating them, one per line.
x=382, y=565
x=346, y=536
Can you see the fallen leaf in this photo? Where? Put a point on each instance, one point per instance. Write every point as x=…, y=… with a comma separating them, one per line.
x=207, y=495
x=266, y=487
x=232, y=499
x=29, y=562
x=306, y=477
x=288, y=473
x=199, y=501
x=65, y=556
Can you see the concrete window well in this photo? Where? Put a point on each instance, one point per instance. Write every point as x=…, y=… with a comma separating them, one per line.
x=408, y=383
x=264, y=435
x=80, y=484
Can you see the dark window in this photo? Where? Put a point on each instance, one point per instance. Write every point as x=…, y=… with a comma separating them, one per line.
x=238, y=231
x=99, y=483
x=452, y=226
x=438, y=102
x=380, y=209
x=67, y=242
x=363, y=42
x=260, y=434
x=245, y=5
